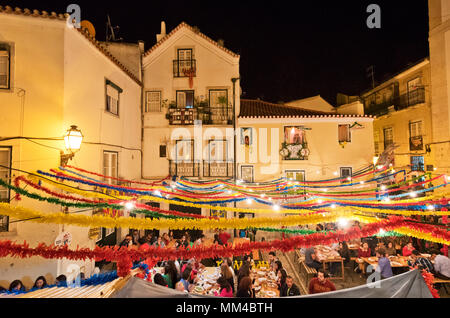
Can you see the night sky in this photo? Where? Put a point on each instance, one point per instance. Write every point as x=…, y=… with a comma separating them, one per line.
x=289, y=50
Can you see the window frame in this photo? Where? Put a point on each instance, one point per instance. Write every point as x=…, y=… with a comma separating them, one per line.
x=349, y=133
x=423, y=163
x=147, y=109
x=295, y=171
x=107, y=180
x=341, y=175
x=384, y=136
x=119, y=91
x=4, y=47
x=184, y=91
x=253, y=172
x=192, y=160
x=165, y=151
x=5, y=217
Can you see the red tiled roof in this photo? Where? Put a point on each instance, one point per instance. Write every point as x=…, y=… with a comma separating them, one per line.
x=185, y=25
x=63, y=17
x=260, y=109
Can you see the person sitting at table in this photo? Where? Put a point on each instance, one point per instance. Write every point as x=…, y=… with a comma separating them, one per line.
x=159, y=242
x=185, y=278
x=420, y=262
x=363, y=251
x=180, y=287
x=166, y=239
x=441, y=265
x=407, y=249
x=277, y=267
x=217, y=240
x=272, y=259
x=281, y=279
x=390, y=250
x=226, y=274
x=311, y=258
x=344, y=251
x=159, y=279
x=200, y=241
x=290, y=289
x=380, y=245
x=245, y=288
x=320, y=284
x=226, y=289
x=384, y=265
x=244, y=271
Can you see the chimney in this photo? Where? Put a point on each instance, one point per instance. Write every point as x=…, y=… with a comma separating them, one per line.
x=163, y=32
x=141, y=46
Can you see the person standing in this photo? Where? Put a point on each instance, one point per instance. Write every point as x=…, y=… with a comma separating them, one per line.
x=384, y=265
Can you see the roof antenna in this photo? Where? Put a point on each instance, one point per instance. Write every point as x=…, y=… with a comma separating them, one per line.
x=110, y=29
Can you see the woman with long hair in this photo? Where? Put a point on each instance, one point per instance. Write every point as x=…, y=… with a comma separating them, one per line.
x=245, y=289
x=225, y=287
x=40, y=282
x=226, y=274
x=16, y=286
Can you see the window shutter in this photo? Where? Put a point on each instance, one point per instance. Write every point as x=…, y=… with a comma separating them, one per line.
x=153, y=101
x=4, y=69
x=181, y=99
x=344, y=133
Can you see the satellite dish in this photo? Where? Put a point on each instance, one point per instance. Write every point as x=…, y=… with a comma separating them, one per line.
x=86, y=25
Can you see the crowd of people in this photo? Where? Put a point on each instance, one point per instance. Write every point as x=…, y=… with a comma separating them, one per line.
x=17, y=286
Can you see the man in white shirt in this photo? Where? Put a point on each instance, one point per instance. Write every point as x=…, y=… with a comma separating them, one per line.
x=441, y=265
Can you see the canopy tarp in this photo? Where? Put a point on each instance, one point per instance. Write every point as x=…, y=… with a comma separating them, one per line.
x=408, y=285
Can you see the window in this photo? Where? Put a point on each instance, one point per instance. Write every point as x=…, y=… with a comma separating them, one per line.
x=247, y=173
x=415, y=136
x=296, y=175
x=376, y=138
x=417, y=163
x=185, y=99
x=344, y=133
x=294, y=135
x=5, y=175
x=4, y=66
x=388, y=137
x=413, y=87
x=184, y=151
x=184, y=65
x=162, y=151
x=217, y=151
x=153, y=101
x=346, y=172
x=112, y=97
x=110, y=166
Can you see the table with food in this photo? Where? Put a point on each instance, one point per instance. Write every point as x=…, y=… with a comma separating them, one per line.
x=265, y=283
x=206, y=283
x=396, y=261
x=326, y=254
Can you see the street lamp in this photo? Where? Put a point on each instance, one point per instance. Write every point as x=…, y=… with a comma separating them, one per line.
x=72, y=141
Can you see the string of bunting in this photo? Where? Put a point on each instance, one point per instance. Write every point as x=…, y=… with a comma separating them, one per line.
x=125, y=256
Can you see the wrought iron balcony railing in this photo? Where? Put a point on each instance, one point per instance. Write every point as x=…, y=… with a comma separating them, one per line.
x=217, y=169
x=412, y=98
x=184, y=169
x=184, y=68
x=208, y=116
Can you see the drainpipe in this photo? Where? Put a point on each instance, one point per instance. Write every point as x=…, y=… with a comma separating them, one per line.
x=141, y=51
x=234, y=79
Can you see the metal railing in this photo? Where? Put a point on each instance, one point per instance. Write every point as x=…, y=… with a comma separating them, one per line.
x=184, y=169
x=217, y=169
x=208, y=116
x=409, y=99
x=184, y=68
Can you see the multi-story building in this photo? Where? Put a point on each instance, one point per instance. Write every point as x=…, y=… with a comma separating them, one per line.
x=53, y=76
x=402, y=106
x=439, y=42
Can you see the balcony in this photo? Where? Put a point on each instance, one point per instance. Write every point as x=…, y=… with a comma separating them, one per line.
x=217, y=169
x=184, y=169
x=208, y=116
x=416, y=143
x=294, y=151
x=184, y=68
x=404, y=101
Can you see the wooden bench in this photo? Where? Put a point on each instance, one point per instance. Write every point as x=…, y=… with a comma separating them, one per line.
x=443, y=282
x=309, y=272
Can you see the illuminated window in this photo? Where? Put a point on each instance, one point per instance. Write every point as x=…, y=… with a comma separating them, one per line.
x=294, y=135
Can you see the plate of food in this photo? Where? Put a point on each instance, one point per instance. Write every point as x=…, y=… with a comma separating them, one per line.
x=426, y=255
x=261, y=273
x=257, y=288
x=263, y=268
x=270, y=293
x=198, y=289
x=207, y=286
x=373, y=259
x=262, y=279
x=393, y=263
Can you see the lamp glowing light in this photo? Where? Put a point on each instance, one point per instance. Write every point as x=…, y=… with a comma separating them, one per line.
x=249, y=201
x=343, y=222
x=129, y=205
x=276, y=207
x=413, y=194
x=73, y=139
